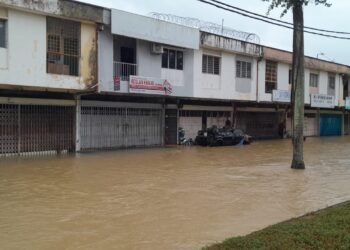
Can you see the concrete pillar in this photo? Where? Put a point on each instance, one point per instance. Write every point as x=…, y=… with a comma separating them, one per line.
x=318, y=122
x=342, y=124
x=177, y=124
x=163, y=124
x=77, y=123
x=233, y=115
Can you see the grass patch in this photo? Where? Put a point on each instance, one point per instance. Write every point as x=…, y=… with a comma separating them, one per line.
x=326, y=229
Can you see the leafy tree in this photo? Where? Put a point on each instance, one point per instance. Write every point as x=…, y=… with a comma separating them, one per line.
x=298, y=75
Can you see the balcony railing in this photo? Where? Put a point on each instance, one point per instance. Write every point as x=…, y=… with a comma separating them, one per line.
x=124, y=70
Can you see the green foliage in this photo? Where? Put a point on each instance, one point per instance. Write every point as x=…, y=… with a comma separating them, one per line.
x=288, y=4
x=326, y=229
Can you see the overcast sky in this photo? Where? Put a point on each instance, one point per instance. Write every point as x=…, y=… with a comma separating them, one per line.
x=333, y=18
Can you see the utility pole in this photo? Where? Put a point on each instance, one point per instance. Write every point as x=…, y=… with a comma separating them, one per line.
x=298, y=83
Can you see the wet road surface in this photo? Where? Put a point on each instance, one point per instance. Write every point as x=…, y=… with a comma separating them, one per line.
x=173, y=198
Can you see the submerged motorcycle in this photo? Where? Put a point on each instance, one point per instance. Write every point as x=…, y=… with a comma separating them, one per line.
x=182, y=139
x=222, y=137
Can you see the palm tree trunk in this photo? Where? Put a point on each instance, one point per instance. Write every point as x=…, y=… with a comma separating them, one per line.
x=298, y=87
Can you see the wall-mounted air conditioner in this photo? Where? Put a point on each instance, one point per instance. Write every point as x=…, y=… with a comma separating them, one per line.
x=157, y=48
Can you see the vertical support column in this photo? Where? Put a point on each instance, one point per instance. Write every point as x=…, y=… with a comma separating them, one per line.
x=163, y=124
x=348, y=123
x=19, y=130
x=342, y=124
x=234, y=116
x=177, y=123
x=77, y=123
x=318, y=122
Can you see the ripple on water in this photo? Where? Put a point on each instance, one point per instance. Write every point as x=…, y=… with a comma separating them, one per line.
x=178, y=198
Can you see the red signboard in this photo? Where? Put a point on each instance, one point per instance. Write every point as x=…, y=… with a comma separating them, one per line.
x=149, y=85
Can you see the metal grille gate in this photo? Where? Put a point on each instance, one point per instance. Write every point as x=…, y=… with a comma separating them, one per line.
x=120, y=127
x=36, y=129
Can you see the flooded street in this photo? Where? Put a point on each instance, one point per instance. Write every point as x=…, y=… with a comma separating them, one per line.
x=174, y=198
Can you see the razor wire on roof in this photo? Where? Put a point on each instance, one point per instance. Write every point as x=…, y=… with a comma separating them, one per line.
x=209, y=27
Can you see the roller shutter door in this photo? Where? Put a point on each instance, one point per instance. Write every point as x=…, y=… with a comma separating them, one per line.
x=261, y=125
x=108, y=127
x=330, y=125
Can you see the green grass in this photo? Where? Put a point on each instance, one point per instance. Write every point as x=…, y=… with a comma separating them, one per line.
x=326, y=229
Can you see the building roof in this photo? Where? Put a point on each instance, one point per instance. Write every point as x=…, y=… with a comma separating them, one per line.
x=65, y=8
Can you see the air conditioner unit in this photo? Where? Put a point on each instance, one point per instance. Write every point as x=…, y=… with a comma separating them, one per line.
x=157, y=48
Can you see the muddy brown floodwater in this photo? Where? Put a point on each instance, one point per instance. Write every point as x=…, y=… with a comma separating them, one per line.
x=174, y=198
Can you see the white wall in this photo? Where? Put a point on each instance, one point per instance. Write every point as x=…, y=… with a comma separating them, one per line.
x=175, y=76
x=323, y=85
x=25, y=57
x=105, y=61
x=3, y=51
x=340, y=92
x=283, y=83
x=222, y=86
x=148, y=65
x=150, y=29
x=191, y=82
x=338, y=86
x=283, y=76
x=307, y=87
x=3, y=58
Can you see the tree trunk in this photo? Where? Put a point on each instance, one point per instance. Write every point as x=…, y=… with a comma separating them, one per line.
x=298, y=87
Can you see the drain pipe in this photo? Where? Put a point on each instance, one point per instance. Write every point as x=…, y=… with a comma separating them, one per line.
x=77, y=98
x=260, y=58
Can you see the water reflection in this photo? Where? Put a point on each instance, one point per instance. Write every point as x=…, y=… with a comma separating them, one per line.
x=179, y=198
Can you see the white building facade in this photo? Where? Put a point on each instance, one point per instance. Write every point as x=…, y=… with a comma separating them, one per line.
x=48, y=57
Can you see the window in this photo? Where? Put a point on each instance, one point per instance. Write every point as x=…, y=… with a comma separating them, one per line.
x=2, y=33
x=270, y=76
x=172, y=59
x=331, y=81
x=165, y=59
x=243, y=69
x=179, y=60
x=63, y=46
x=331, y=84
x=211, y=64
x=290, y=76
x=313, y=80
x=127, y=55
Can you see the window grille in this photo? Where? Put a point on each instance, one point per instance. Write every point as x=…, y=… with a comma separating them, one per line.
x=172, y=59
x=290, y=76
x=243, y=69
x=3, y=33
x=211, y=64
x=63, y=46
x=331, y=81
x=313, y=80
x=270, y=76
